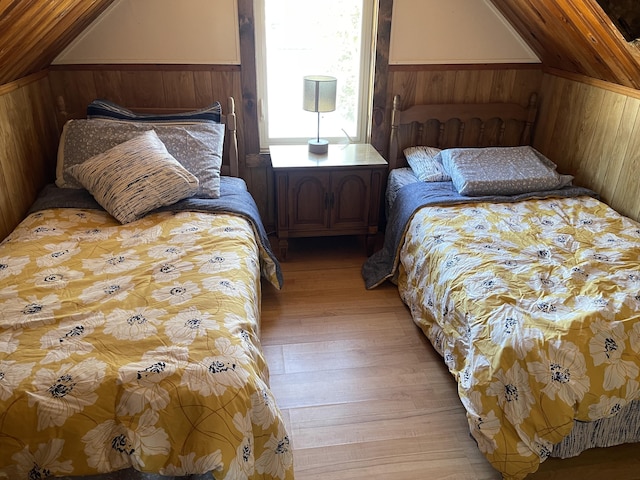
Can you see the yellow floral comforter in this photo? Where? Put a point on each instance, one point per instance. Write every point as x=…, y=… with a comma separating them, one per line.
x=535, y=308
x=135, y=346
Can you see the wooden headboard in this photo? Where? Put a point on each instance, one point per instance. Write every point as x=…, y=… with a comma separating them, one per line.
x=230, y=164
x=447, y=125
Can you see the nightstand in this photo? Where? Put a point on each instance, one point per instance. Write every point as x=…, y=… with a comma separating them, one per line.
x=337, y=193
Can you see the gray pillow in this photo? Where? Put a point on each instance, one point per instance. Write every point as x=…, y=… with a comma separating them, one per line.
x=501, y=171
x=135, y=177
x=197, y=147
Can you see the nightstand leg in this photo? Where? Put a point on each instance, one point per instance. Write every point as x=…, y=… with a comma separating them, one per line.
x=370, y=241
x=283, y=244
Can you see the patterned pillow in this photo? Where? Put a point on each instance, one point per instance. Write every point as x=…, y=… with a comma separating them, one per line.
x=426, y=164
x=135, y=177
x=197, y=147
x=501, y=171
x=107, y=110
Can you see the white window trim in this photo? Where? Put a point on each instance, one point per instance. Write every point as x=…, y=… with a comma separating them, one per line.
x=367, y=64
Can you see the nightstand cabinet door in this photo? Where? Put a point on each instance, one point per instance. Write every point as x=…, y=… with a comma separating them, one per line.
x=308, y=201
x=349, y=200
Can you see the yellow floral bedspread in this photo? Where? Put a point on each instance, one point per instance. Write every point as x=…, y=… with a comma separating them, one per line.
x=135, y=346
x=535, y=308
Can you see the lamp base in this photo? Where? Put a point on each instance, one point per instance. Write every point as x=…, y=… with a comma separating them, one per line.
x=318, y=146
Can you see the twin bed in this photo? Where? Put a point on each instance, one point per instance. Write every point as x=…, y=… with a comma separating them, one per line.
x=527, y=286
x=130, y=315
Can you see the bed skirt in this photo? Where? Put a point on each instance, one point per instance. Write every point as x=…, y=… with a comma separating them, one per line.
x=605, y=432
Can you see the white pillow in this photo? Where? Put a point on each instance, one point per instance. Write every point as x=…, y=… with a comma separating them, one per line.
x=135, y=177
x=426, y=164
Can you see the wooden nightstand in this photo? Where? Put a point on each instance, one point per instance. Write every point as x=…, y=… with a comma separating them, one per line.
x=338, y=193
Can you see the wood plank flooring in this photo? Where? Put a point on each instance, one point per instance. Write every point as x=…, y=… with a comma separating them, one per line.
x=362, y=390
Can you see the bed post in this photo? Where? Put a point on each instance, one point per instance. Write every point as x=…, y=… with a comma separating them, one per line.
x=393, y=140
x=231, y=128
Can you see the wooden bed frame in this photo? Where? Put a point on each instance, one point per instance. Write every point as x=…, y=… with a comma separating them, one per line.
x=449, y=125
x=230, y=165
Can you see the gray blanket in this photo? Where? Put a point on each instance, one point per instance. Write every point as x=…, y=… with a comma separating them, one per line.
x=382, y=265
x=234, y=198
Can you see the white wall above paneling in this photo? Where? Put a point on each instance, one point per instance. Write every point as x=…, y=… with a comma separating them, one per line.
x=455, y=32
x=207, y=32
x=160, y=31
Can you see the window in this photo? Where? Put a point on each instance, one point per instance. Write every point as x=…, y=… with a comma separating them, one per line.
x=296, y=38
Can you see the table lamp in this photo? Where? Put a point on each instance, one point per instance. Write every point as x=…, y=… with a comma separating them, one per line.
x=319, y=96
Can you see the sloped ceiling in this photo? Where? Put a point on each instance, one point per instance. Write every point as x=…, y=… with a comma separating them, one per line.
x=575, y=36
x=34, y=32
x=571, y=35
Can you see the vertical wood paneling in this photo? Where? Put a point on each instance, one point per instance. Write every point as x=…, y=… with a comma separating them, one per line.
x=179, y=88
x=502, y=85
x=614, y=167
x=549, y=106
x=593, y=133
x=169, y=86
x=456, y=84
x=604, y=124
x=28, y=141
x=626, y=194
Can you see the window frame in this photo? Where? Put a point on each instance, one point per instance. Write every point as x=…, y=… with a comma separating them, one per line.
x=370, y=12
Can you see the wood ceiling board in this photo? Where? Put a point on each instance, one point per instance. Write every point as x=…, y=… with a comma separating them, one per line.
x=33, y=32
x=575, y=36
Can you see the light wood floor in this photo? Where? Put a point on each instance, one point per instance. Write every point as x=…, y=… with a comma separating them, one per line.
x=363, y=392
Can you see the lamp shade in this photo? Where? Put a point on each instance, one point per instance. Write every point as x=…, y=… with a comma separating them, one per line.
x=319, y=93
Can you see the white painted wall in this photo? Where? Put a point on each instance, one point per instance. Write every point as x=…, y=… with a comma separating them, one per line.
x=206, y=32
x=454, y=31
x=160, y=31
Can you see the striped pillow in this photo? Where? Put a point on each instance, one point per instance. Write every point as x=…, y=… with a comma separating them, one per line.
x=425, y=163
x=107, y=110
x=135, y=177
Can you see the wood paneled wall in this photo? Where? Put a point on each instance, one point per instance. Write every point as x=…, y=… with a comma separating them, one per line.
x=144, y=86
x=170, y=86
x=163, y=86
x=28, y=144
x=591, y=130
x=455, y=84
x=192, y=87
